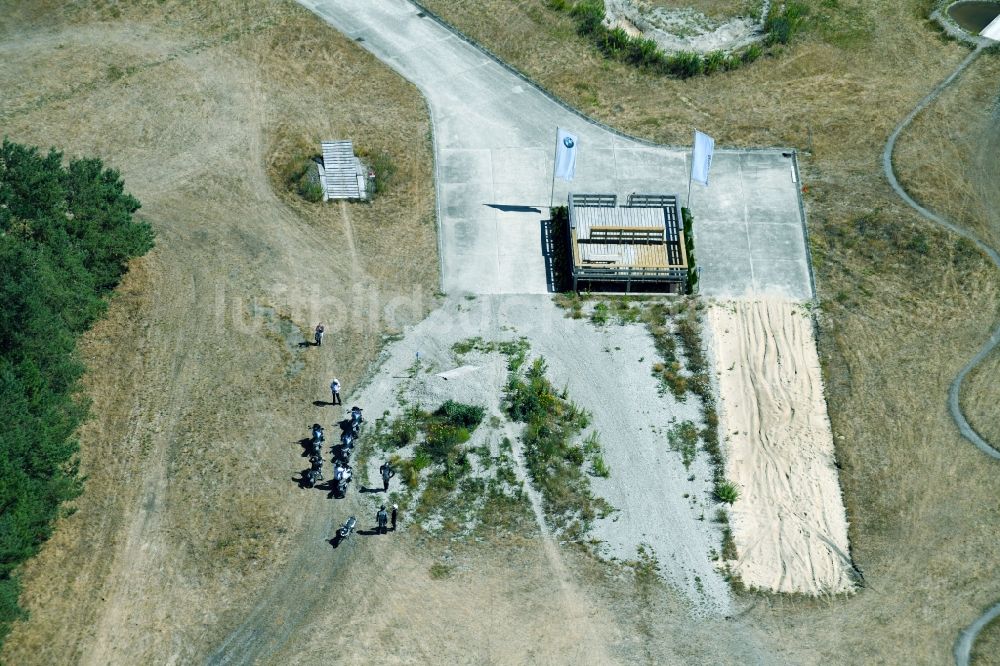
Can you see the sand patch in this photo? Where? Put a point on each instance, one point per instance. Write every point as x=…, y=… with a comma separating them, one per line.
x=789, y=522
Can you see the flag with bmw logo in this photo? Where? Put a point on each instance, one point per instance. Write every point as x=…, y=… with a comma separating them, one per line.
x=566, y=144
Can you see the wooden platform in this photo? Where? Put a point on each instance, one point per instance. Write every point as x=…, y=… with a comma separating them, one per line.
x=640, y=242
x=344, y=174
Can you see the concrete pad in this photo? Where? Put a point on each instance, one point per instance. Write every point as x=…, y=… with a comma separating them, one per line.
x=495, y=138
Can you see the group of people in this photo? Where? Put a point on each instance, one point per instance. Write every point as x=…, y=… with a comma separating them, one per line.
x=383, y=517
x=343, y=473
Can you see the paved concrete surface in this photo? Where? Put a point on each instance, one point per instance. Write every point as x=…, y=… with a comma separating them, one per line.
x=494, y=139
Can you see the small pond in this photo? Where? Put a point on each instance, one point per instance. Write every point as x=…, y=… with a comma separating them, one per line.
x=974, y=15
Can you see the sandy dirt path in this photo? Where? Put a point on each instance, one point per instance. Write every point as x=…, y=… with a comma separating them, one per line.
x=789, y=522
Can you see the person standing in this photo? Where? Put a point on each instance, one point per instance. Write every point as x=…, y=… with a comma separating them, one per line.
x=318, y=334
x=395, y=510
x=381, y=518
x=335, y=390
x=387, y=473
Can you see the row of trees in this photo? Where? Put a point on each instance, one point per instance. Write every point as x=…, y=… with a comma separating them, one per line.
x=66, y=236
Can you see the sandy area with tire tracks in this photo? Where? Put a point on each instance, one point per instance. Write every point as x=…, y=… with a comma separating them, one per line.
x=789, y=521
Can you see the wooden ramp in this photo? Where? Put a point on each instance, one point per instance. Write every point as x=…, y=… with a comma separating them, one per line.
x=344, y=174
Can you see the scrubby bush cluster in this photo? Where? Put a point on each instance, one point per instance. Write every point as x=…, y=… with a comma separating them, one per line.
x=66, y=237
x=780, y=25
x=555, y=462
x=439, y=436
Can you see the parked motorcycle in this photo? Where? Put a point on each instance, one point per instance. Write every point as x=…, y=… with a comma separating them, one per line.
x=342, y=475
x=356, y=421
x=344, y=531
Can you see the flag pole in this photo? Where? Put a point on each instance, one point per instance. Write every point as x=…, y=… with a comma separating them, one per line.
x=690, y=171
x=555, y=156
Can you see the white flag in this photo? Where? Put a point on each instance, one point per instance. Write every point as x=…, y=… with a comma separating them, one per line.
x=566, y=144
x=992, y=31
x=701, y=160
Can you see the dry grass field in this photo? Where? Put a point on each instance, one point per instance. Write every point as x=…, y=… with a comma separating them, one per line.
x=903, y=305
x=189, y=510
x=961, y=131
x=200, y=391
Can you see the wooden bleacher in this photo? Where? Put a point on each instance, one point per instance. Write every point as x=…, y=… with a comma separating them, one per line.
x=625, y=234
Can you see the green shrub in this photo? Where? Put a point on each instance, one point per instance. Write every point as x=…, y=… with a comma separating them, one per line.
x=715, y=61
x=589, y=15
x=783, y=21
x=752, y=52
x=460, y=414
x=683, y=438
x=685, y=64
x=442, y=440
x=688, y=223
x=599, y=317
x=598, y=467
x=726, y=491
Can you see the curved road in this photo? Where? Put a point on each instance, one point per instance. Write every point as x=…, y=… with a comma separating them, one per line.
x=963, y=646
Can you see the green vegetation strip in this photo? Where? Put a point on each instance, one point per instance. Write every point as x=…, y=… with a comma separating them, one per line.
x=555, y=462
x=66, y=236
x=783, y=20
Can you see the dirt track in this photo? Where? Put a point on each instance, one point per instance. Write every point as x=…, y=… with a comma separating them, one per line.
x=200, y=391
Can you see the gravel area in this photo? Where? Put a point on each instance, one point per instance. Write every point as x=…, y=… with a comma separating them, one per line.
x=607, y=371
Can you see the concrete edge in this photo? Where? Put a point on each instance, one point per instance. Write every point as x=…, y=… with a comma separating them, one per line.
x=805, y=224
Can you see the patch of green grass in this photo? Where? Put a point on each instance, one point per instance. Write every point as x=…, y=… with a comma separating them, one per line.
x=382, y=164
x=683, y=438
x=440, y=570
x=554, y=462
x=727, y=491
x=599, y=315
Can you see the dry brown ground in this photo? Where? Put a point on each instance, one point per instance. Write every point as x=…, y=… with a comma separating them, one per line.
x=189, y=507
x=180, y=526
x=961, y=130
x=904, y=306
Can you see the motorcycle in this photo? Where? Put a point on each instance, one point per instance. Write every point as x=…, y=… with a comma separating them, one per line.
x=356, y=421
x=346, y=445
x=308, y=479
x=345, y=530
x=342, y=475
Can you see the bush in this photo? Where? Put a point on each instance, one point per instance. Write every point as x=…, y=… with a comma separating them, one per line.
x=589, y=15
x=683, y=438
x=688, y=222
x=460, y=414
x=714, y=62
x=598, y=467
x=685, y=64
x=726, y=491
x=783, y=21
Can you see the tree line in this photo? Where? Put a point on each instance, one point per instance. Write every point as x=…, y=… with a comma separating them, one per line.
x=67, y=233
